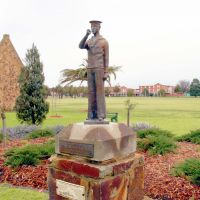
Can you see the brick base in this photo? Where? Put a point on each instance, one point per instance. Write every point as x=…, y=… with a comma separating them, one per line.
x=114, y=180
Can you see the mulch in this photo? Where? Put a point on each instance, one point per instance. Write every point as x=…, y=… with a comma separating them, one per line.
x=27, y=176
x=158, y=182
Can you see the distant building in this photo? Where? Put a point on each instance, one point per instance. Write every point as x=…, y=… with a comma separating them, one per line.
x=10, y=68
x=178, y=94
x=154, y=89
x=123, y=91
x=136, y=92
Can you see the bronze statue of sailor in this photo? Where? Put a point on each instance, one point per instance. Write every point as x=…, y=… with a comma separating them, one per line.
x=98, y=58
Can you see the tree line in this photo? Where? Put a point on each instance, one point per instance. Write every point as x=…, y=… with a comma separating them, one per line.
x=192, y=88
x=31, y=106
x=68, y=91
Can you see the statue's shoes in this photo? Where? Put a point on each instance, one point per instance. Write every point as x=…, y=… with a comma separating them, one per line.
x=100, y=119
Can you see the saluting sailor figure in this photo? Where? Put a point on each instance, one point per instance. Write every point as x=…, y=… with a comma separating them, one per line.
x=98, y=57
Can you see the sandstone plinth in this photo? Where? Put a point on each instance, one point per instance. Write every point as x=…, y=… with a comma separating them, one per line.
x=98, y=142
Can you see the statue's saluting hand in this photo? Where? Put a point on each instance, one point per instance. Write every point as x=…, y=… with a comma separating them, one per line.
x=88, y=32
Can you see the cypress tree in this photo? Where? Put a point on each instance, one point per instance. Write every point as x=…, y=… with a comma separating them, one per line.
x=31, y=107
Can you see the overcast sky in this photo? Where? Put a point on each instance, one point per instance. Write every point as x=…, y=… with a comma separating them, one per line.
x=154, y=40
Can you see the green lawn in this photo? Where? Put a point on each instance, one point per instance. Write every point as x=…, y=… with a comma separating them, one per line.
x=178, y=115
x=11, y=193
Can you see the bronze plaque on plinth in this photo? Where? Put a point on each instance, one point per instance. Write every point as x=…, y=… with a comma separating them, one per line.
x=70, y=190
x=80, y=149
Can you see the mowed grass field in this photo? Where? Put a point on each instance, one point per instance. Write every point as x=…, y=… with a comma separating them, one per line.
x=178, y=115
x=11, y=193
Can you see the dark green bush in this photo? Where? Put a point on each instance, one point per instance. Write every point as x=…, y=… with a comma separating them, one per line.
x=47, y=149
x=29, y=154
x=193, y=136
x=156, y=141
x=144, y=144
x=190, y=169
x=10, y=152
x=153, y=132
x=154, y=144
x=41, y=133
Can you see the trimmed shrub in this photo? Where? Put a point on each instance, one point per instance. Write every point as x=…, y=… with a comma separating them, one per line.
x=40, y=133
x=190, y=169
x=156, y=141
x=47, y=149
x=193, y=136
x=29, y=154
x=153, y=132
x=157, y=144
x=10, y=152
x=144, y=144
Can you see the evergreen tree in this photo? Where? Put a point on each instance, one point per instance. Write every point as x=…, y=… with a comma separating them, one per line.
x=130, y=93
x=161, y=93
x=177, y=88
x=145, y=92
x=31, y=107
x=195, y=88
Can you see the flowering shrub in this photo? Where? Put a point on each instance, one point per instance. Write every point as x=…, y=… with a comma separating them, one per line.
x=19, y=132
x=142, y=126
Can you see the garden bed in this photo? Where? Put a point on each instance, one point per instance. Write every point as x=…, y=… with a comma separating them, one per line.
x=159, y=184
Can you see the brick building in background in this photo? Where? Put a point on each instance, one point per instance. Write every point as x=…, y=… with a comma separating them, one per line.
x=10, y=68
x=154, y=89
x=123, y=91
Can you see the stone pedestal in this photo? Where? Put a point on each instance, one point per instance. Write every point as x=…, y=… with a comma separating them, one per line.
x=96, y=162
x=97, y=142
x=73, y=178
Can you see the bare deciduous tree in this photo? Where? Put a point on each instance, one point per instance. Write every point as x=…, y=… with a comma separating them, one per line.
x=184, y=85
x=129, y=106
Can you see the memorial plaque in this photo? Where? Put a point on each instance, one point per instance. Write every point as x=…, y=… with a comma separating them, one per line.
x=80, y=149
x=70, y=190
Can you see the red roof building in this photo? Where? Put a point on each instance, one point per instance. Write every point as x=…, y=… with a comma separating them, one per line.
x=154, y=89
